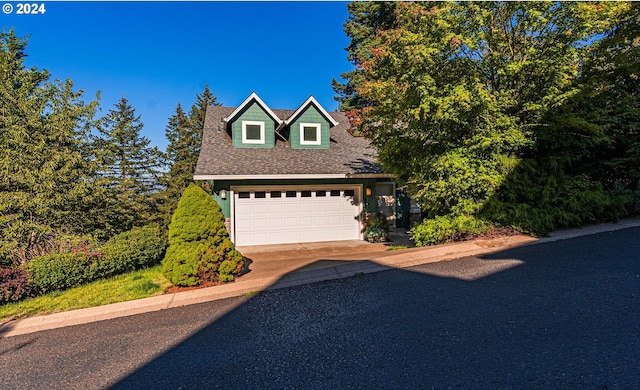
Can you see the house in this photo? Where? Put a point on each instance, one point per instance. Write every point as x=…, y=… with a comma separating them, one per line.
x=290, y=176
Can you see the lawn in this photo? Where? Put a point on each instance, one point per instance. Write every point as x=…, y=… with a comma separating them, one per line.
x=134, y=285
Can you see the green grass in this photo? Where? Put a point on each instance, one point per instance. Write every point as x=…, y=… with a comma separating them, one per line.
x=134, y=285
x=397, y=247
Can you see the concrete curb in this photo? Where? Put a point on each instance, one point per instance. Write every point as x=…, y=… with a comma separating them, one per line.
x=376, y=262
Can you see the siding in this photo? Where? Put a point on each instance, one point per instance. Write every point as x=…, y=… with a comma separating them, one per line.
x=309, y=115
x=253, y=112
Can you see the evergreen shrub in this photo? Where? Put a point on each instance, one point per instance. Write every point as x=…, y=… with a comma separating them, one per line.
x=199, y=246
x=137, y=248
x=14, y=285
x=128, y=251
x=60, y=271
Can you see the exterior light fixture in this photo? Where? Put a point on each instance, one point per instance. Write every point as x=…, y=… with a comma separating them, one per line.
x=368, y=191
x=223, y=194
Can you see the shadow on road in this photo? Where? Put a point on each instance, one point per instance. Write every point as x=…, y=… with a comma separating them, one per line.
x=563, y=314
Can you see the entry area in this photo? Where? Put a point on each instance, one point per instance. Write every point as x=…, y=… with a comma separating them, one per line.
x=284, y=214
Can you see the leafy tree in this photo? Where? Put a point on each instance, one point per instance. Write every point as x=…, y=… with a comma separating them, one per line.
x=46, y=179
x=364, y=21
x=199, y=246
x=584, y=166
x=184, y=133
x=131, y=166
x=457, y=94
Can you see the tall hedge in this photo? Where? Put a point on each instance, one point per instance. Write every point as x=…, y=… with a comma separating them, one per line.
x=199, y=246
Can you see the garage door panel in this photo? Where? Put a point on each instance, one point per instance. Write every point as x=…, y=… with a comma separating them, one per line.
x=260, y=223
x=275, y=223
x=244, y=209
x=275, y=208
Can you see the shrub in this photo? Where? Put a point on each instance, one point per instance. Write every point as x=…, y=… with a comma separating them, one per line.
x=447, y=228
x=59, y=271
x=137, y=248
x=199, y=246
x=14, y=285
x=125, y=252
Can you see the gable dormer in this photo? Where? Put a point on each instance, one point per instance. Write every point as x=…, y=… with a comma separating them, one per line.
x=253, y=124
x=309, y=126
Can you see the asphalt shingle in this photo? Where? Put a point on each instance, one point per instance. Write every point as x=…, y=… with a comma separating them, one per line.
x=346, y=155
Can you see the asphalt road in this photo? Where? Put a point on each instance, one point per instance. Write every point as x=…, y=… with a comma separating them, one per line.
x=561, y=315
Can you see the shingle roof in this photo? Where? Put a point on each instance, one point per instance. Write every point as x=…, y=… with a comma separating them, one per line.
x=347, y=155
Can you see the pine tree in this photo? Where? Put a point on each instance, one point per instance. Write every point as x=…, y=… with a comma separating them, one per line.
x=130, y=165
x=184, y=134
x=46, y=177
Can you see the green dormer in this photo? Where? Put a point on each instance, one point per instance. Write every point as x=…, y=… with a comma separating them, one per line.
x=253, y=124
x=309, y=126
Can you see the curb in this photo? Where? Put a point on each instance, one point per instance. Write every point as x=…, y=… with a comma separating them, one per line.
x=381, y=262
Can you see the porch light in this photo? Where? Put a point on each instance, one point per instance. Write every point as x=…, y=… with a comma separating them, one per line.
x=368, y=191
x=223, y=194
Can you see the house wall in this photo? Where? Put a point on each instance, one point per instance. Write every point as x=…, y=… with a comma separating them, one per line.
x=309, y=115
x=253, y=112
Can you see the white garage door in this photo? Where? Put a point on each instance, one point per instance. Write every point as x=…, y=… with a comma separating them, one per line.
x=290, y=215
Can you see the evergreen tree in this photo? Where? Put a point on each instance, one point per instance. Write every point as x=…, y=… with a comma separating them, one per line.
x=184, y=134
x=46, y=180
x=130, y=165
x=199, y=250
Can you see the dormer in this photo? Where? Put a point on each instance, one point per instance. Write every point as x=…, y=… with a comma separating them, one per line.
x=309, y=126
x=253, y=124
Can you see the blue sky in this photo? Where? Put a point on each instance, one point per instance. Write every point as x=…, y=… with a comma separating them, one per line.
x=157, y=54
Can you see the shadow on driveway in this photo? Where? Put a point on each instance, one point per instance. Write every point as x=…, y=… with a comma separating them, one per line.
x=562, y=315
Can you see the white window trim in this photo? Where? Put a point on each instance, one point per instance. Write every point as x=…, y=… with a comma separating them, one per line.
x=244, y=132
x=318, y=140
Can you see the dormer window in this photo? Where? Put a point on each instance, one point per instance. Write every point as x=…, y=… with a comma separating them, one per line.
x=252, y=132
x=310, y=133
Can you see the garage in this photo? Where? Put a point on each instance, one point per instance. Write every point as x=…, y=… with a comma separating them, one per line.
x=285, y=214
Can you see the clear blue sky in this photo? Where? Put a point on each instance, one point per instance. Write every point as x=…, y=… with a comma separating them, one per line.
x=157, y=54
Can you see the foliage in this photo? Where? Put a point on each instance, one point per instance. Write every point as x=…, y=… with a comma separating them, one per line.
x=61, y=271
x=47, y=177
x=377, y=229
x=67, y=266
x=461, y=98
x=137, y=248
x=58, y=243
x=184, y=133
x=447, y=228
x=365, y=20
x=129, y=165
x=199, y=243
x=14, y=285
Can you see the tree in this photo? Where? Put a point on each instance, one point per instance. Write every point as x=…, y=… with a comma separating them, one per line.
x=199, y=246
x=47, y=180
x=364, y=21
x=130, y=165
x=457, y=94
x=184, y=134
x=584, y=165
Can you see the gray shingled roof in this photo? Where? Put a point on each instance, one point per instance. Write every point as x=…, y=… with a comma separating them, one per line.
x=347, y=155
